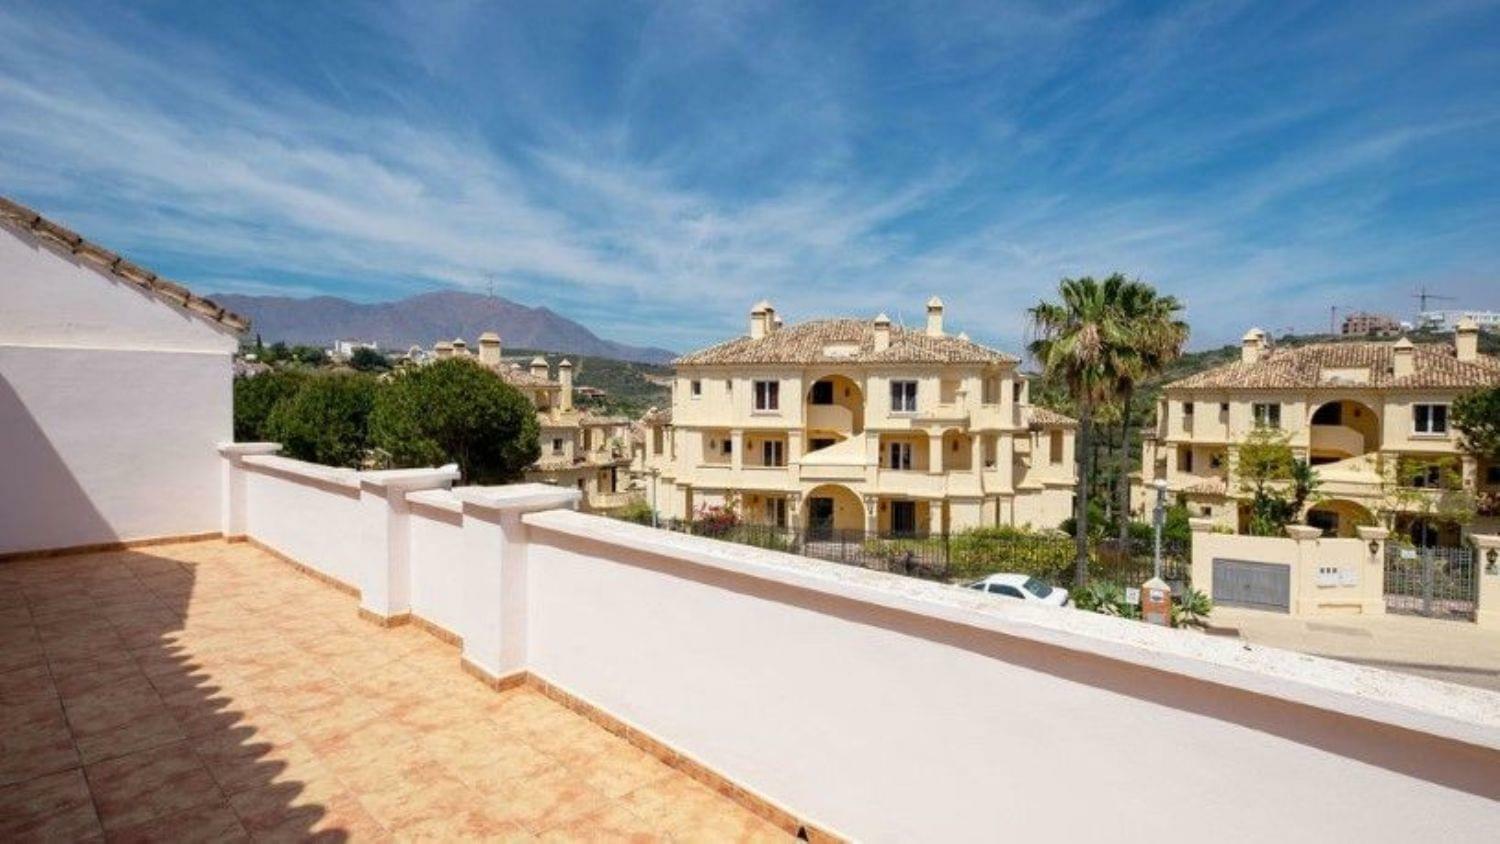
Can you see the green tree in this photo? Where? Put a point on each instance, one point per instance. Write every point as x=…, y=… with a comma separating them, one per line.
x=326, y=421
x=1084, y=342
x=310, y=355
x=1158, y=337
x=368, y=360
x=456, y=410
x=256, y=397
x=1279, y=483
x=1430, y=488
x=1476, y=415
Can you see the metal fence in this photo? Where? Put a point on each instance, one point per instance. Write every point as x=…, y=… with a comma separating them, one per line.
x=1435, y=582
x=963, y=556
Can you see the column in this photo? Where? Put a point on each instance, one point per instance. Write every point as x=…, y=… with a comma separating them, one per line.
x=1372, y=574
x=385, y=539
x=495, y=568
x=1487, y=546
x=737, y=448
x=1202, y=555
x=935, y=453
x=1305, y=571
x=233, y=516
x=976, y=453
x=872, y=514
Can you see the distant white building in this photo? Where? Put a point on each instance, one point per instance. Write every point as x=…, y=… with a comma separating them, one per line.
x=344, y=349
x=1449, y=320
x=114, y=394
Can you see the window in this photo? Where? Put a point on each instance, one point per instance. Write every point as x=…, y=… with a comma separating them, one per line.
x=767, y=395
x=1223, y=408
x=557, y=445
x=1492, y=476
x=777, y=506
x=1184, y=459
x=772, y=453
x=1037, y=588
x=1266, y=415
x=903, y=517
x=695, y=388
x=1055, y=447
x=1007, y=591
x=1015, y=391
x=990, y=391
x=900, y=456
x=1427, y=476
x=1187, y=408
x=1429, y=418
x=1216, y=460
x=903, y=396
x=728, y=446
x=822, y=393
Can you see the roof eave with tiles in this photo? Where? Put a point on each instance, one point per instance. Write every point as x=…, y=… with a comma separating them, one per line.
x=19, y=217
x=1434, y=366
x=810, y=343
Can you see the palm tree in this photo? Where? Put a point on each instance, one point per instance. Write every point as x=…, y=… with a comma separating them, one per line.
x=1085, y=343
x=1158, y=339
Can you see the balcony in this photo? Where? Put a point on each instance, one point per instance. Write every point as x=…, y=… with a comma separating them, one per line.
x=390, y=655
x=830, y=417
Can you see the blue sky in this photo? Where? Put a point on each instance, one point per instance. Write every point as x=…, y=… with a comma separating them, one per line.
x=653, y=170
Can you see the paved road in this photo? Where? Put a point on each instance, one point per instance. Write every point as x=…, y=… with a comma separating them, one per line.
x=1456, y=652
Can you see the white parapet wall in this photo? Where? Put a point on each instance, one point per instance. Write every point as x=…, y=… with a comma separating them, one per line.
x=885, y=708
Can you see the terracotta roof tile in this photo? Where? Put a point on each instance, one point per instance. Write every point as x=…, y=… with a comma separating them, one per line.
x=1435, y=365
x=1044, y=418
x=842, y=341
x=18, y=217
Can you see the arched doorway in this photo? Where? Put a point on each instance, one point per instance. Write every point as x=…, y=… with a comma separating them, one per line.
x=835, y=411
x=1339, y=517
x=1342, y=429
x=832, y=508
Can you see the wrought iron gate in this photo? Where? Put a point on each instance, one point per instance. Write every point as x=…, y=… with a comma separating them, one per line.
x=1435, y=582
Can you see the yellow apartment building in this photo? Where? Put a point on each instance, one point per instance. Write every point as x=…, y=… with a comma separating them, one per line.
x=859, y=425
x=1353, y=410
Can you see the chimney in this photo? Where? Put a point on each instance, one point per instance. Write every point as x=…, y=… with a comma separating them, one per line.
x=776, y=323
x=934, y=317
x=1403, y=358
x=1251, y=345
x=539, y=367
x=442, y=349
x=760, y=320
x=565, y=376
x=1466, y=339
x=489, y=348
x=882, y=333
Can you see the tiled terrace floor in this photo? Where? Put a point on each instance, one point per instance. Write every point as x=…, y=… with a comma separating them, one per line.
x=205, y=691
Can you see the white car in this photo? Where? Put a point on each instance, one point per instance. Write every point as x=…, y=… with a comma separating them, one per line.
x=1023, y=587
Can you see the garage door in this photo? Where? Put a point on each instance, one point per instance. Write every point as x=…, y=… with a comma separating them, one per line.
x=1261, y=586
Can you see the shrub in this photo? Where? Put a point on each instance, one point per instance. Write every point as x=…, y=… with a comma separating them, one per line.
x=1105, y=598
x=972, y=554
x=256, y=397
x=456, y=410
x=366, y=359
x=1193, y=610
x=326, y=420
x=636, y=511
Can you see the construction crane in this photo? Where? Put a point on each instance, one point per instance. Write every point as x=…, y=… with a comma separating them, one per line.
x=1422, y=296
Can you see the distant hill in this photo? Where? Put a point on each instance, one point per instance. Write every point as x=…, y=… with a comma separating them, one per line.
x=423, y=320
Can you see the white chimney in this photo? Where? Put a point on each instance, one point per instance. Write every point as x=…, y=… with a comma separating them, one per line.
x=882, y=333
x=460, y=348
x=565, y=376
x=1466, y=339
x=489, y=348
x=776, y=323
x=934, y=317
x=442, y=349
x=539, y=367
x=760, y=320
x=1251, y=345
x=1403, y=358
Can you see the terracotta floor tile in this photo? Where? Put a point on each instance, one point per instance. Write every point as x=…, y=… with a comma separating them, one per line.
x=211, y=823
x=276, y=813
x=148, y=731
x=22, y=655
x=82, y=679
x=553, y=799
x=619, y=772
x=238, y=765
x=56, y=807
x=26, y=685
x=150, y=784
x=614, y=823
x=419, y=800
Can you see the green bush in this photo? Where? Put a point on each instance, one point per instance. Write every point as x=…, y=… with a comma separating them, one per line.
x=456, y=410
x=256, y=397
x=326, y=420
x=637, y=511
x=972, y=554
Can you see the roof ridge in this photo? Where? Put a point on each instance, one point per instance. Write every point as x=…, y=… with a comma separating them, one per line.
x=18, y=216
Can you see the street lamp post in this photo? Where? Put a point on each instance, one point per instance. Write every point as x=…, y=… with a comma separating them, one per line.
x=1159, y=520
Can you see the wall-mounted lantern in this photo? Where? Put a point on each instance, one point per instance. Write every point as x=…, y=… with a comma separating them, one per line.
x=1374, y=547
x=1491, y=567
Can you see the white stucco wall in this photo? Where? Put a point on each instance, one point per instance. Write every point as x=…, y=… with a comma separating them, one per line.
x=111, y=403
x=307, y=512
x=890, y=726
x=438, y=555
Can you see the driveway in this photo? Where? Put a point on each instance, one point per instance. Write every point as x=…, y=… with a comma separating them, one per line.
x=1456, y=652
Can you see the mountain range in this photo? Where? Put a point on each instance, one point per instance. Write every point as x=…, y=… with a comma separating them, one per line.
x=425, y=319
